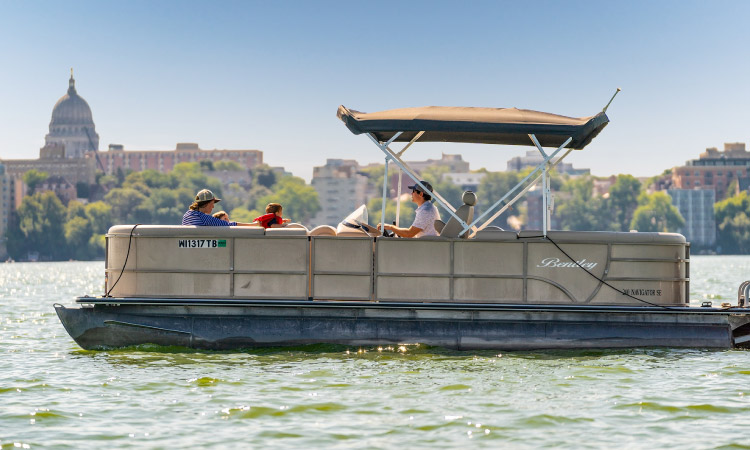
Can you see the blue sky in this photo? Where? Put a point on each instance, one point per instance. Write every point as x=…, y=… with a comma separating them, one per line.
x=270, y=75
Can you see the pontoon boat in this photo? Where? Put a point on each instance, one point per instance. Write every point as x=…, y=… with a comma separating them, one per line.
x=473, y=287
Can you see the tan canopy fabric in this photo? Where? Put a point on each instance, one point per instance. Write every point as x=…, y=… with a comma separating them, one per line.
x=506, y=126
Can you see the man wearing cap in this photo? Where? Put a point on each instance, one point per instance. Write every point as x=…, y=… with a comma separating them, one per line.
x=200, y=212
x=425, y=217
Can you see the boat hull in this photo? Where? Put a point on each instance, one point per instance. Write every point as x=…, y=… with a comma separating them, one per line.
x=235, y=325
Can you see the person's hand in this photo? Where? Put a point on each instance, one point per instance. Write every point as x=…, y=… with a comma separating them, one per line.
x=380, y=226
x=287, y=220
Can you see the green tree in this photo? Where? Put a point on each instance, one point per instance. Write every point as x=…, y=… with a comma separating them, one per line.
x=243, y=215
x=263, y=175
x=120, y=175
x=234, y=196
x=491, y=189
x=33, y=178
x=162, y=207
x=228, y=164
x=733, y=231
x=107, y=182
x=189, y=176
x=732, y=189
x=656, y=213
x=75, y=209
x=375, y=175
x=100, y=217
x=734, y=235
x=78, y=233
x=151, y=179
x=124, y=201
x=41, y=221
x=580, y=210
x=98, y=242
x=623, y=199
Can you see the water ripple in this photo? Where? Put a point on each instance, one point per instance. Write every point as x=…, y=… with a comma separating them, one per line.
x=53, y=394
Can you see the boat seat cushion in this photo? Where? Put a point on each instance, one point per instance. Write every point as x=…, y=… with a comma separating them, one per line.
x=287, y=231
x=323, y=230
x=496, y=235
x=453, y=227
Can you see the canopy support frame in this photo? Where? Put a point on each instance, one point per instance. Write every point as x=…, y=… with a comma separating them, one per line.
x=544, y=166
x=547, y=164
x=390, y=155
x=518, y=196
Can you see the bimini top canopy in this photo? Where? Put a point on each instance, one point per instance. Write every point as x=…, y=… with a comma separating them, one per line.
x=506, y=126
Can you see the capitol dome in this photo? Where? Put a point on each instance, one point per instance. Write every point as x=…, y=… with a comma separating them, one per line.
x=71, y=109
x=72, y=124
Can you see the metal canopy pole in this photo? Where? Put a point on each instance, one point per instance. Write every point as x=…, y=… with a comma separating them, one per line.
x=401, y=176
x=398, y=197
x=546, y=193
x=544, y=201
x=385, y=192
x=545, y=182
x=385, y=179
x=520, y=183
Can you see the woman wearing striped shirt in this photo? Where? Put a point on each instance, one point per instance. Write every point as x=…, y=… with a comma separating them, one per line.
x=199, y=213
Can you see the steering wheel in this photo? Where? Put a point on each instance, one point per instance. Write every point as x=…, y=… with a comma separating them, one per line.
x=386, y=233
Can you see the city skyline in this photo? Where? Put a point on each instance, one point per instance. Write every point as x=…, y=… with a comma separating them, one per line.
x=269, y=77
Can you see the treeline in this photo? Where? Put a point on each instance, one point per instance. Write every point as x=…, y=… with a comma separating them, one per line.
x=733, y=224
x=626, y=206
x=43, y=225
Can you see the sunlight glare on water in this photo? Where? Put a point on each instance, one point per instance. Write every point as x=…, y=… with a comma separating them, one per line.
x=54, y=394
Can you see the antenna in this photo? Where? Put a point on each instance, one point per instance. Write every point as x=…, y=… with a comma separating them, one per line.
x=610, y=100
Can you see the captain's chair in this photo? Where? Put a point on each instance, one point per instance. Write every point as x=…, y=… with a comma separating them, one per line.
x=465, y=212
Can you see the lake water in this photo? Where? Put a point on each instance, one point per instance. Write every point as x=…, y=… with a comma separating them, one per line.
x=54, y=394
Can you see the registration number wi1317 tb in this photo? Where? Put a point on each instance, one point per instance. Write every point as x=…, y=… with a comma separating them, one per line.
x=201, y=243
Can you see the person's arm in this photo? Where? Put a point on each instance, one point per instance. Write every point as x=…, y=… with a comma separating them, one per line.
x=402, y=232
x=243, y=224
x=212, y=221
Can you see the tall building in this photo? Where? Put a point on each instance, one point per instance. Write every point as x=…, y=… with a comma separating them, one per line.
x=697, y=208
x=164, y=160
x=341, y=189
x=535, y=210
x=51, y=160
x=68, y=155
x=72, y=124
x=468, y=181
x=714, y=170
x=5, y=210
